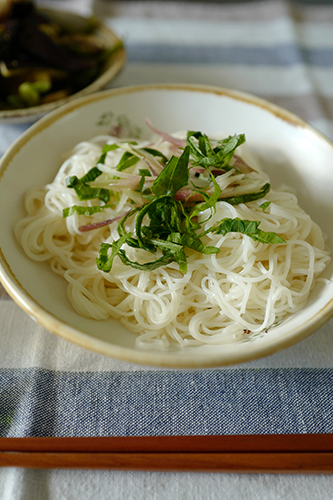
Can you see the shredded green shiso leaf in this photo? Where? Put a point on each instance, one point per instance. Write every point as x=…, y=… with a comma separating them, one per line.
x=166, y=222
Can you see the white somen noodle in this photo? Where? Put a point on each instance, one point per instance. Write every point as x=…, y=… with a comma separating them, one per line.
x=245, y=288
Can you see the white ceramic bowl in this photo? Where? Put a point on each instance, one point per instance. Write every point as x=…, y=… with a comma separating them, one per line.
x=290, y=150
x=111, y=67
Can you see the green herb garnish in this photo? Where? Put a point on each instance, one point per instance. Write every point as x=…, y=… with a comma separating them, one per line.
x=265, y=205
x=247, y=227
x=67, y=212
x=219, y=157
x=155, y=152
x=167, y=225
x=126, y=161
x=174, y=176
x=85, y=192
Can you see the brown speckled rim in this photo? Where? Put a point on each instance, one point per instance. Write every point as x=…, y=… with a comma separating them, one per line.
x=197, y=358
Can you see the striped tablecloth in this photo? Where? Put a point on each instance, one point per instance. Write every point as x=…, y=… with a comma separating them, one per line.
x=277, y=50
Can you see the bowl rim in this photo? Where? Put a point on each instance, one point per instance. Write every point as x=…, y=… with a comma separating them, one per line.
x=26, y=115
x=145, y=357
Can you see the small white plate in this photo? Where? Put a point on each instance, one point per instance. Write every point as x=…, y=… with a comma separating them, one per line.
x=289, y=149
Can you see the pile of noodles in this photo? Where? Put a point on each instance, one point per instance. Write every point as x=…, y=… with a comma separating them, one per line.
x=225, y=297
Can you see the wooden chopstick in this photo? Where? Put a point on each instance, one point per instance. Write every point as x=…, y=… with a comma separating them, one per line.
x=288, y=443
x=303, y=463
x=295, y=453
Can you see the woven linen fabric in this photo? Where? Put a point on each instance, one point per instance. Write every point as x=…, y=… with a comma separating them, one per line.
x=283, y=52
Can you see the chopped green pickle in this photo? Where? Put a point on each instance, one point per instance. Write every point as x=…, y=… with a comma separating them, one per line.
x=64, y=55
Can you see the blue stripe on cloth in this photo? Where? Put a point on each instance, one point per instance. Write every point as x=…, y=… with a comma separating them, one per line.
x=9, y=133
x=36, y=402
x=284, y=55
